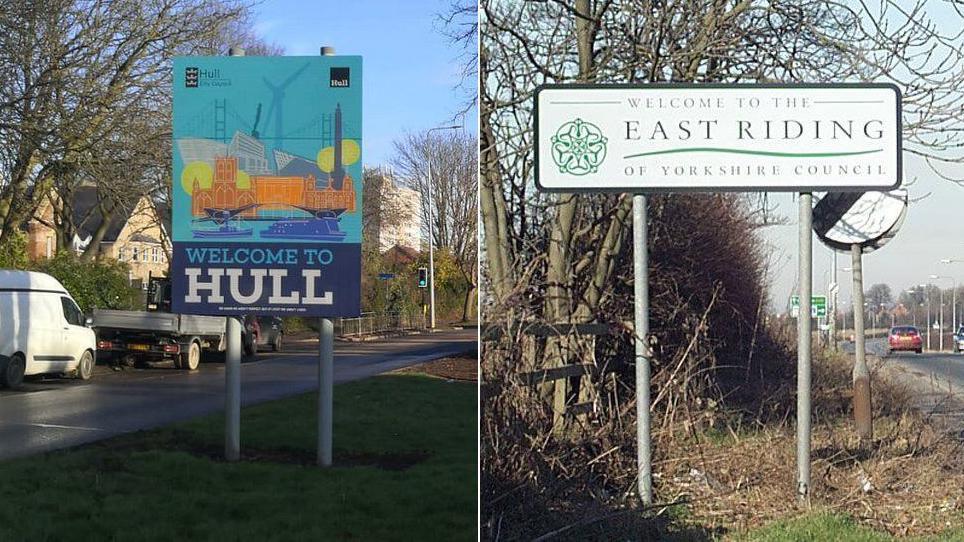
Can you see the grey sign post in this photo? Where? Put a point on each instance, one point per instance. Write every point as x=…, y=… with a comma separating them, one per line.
x=863, y=416
x=232, y=372
x=641, y=139
x=641, y=329
x=326, y=390
x=803, y=348
x=326, y=369
x=860, y=222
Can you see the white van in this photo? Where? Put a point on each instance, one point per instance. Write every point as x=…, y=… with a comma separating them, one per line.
x=41, y=329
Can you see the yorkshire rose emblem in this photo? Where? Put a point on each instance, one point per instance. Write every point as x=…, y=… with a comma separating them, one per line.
x=578, y=147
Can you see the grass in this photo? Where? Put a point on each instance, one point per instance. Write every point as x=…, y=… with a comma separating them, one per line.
x=830, y=526
x=405, y=469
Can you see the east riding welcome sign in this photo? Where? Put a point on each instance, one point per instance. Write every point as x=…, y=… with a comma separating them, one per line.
x=267, y=185
x=712, y=138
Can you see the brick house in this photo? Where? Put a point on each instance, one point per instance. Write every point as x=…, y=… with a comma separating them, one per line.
x=137, y=236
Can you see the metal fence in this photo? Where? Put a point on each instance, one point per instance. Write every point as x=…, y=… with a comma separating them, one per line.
x=386, y=322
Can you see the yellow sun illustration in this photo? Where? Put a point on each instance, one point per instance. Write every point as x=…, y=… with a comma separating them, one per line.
x=196, y=171
x=350, y=153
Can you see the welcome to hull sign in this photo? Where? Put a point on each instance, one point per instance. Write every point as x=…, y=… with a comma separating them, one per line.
x=267, y=185
x=657, y=138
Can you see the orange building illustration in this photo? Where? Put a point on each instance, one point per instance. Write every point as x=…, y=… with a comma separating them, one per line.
x=269, y=192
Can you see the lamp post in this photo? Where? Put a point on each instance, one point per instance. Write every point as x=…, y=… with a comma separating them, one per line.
x=953, y=292
x=913, y=312
x=853, y=310
x=928, y=294
x=953, y=306
x=431, y=231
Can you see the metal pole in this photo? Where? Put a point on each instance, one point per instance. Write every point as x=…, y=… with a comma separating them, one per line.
x=940, y=323
x=641, y=294
x=833, y=301
x=803, y=346
x=431, y=249
x=863, y=416
x=232, y=391
x=326, y=389
x=927, y=290
x=232, y=372
x=326, y=370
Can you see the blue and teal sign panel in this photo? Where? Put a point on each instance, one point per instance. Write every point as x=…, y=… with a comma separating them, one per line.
x=267, y=185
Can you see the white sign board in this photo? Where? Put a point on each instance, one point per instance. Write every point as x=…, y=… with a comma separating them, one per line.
x=658, y=138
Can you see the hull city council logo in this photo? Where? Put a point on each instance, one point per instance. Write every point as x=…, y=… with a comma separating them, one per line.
x=339, y=78
x=578, y=148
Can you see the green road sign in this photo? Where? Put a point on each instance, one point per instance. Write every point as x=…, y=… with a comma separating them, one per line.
x=818, y=306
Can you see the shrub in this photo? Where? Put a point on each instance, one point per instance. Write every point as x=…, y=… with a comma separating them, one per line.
x=13, y=252
x=95, y=283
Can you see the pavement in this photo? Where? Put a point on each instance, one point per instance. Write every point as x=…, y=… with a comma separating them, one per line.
x=54, y=413
x=937, y=379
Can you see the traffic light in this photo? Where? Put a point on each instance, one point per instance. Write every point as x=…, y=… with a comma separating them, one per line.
x=423, y=277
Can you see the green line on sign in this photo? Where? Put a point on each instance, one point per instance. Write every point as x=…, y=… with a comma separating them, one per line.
x=759, y=153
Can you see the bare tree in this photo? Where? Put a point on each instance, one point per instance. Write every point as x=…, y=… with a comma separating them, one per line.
x=86, y=97
x=879, y=295
x=454, y=202
x=460, y=24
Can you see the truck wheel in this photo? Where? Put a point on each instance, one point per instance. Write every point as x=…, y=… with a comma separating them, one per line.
x=191, y=359
x=11, y=371
x=85, y=368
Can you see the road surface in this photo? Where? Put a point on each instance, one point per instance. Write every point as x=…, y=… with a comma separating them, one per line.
x=936, y=377
x=55, y=413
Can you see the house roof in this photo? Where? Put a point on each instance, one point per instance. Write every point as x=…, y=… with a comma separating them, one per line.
x=88, y=219
x=401, y=254
x=141, y=238
x=163, y=211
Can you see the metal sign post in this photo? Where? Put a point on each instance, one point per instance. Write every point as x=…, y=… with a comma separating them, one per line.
x=641, y=295
x=326, y=390
x=863, y=417
x=232, y=391
x=803, y=349
x=834, y=288
x=859, y=222
x=232, y=372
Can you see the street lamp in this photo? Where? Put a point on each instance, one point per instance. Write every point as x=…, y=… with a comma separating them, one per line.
x=431, y=233
x=913, y=312
x=928, y=293
x=848, y=270
x=953, y=306
x=954, y=293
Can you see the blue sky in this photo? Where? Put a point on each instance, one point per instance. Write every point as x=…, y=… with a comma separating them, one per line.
x=931, y=231
x=410, y=69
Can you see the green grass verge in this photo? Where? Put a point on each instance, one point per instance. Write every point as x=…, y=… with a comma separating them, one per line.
x=822, y=526
x=405, y=469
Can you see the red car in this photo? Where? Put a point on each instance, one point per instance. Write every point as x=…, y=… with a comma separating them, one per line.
x=904, y=338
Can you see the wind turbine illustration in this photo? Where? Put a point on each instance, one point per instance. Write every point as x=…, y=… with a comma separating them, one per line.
x=276, y=108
